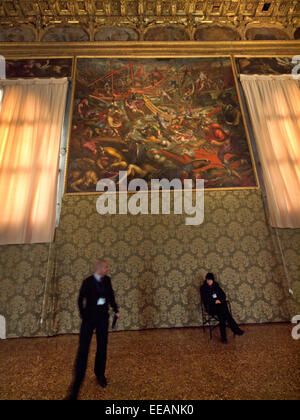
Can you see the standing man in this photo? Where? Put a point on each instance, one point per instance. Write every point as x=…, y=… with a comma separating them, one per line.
x=214, y=300
x=96, y=294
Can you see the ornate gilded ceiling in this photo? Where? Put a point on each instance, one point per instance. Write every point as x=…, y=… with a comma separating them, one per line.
x=148, y=20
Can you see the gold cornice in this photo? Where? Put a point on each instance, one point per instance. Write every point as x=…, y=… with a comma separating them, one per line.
x=41, y=15
x=150, y=49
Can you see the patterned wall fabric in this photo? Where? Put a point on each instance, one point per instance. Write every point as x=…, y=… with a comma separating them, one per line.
x=23, y=273
x=156, y=266
x=290, y=242
x=157, y=261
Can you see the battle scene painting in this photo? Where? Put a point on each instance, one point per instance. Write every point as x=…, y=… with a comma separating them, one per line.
x=157, y=118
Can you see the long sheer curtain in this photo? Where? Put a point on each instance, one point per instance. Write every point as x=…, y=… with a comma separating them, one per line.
x=274, y=107
x=31, y=120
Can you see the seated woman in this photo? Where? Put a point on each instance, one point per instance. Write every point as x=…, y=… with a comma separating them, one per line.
x=214, y=300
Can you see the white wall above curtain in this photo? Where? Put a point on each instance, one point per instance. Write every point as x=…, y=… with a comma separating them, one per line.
x=31, y=120
x=274, y=107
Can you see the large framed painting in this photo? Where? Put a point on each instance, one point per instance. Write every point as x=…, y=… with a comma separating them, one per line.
x=157, y=118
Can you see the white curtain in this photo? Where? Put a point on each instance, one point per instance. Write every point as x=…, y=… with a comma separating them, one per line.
x=31, y=120
x=274, y=107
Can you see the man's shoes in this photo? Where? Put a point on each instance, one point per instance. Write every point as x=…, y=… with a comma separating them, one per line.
x=72, y=394
x=71, y=397
x=102, y=381
x=240, y=332
x=224, y=341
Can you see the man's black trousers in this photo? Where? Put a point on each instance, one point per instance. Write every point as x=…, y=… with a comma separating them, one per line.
x=223, y=314
x=86, y=333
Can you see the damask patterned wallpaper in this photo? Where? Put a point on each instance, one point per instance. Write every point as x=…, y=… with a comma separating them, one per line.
x=290, y=242
x=23, y=272
x=157, y=264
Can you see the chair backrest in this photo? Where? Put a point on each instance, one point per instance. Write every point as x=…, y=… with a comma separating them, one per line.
x=203, y=309
x=201, y=302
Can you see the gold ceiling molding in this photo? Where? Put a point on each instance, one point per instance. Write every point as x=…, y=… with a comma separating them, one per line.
x=149, y=49
x=175, y=20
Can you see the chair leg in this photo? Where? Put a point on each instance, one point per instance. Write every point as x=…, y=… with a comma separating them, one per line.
x=210, y=331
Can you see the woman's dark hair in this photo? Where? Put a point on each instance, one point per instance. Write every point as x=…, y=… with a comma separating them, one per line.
x=210, y=276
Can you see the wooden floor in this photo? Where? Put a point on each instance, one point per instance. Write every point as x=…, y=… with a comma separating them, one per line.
x=159, y=364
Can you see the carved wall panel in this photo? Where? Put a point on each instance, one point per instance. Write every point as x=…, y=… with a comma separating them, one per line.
x=116, y=33
x=216, y=33
x=268, y=34
x=65, y=34
x=166, y=33
x=17, y=34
